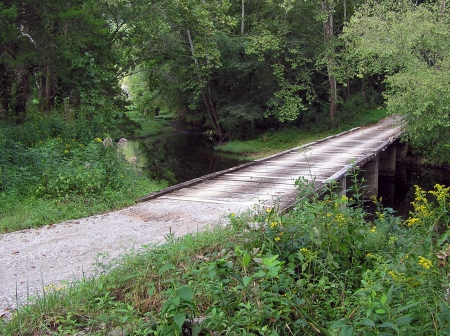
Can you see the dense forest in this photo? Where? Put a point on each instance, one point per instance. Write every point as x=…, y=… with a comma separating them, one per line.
x=69, y=72
x=234, y=66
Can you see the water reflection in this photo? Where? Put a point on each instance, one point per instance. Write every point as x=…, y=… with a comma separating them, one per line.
x=180, y=156
x=398, y=192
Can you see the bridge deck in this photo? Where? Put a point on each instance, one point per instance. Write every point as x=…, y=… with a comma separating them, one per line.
x=273, y=179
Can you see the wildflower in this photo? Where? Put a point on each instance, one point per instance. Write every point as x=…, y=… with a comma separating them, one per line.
x=233, y=215
x=122, y=143
x=277, y=239
x=98, y=139
x=304, y=250
x=273, y=224
x=66, y=151
x=396, y=276
x=425, y=263
x=412, y=221
x=107, y=142
x=268, y=210
x=373, y=229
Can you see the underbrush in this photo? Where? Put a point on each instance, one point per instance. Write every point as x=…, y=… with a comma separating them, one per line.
x=325, y=268
x=52, y=170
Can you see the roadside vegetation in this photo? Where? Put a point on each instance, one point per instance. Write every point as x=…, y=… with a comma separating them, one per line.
x=325, y=268
x=52, y=169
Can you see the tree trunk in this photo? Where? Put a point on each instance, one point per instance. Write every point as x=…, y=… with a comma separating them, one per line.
x=242, y=17
x=206, y=93
x=328, y=33
x=22, y=94
x=5, y=92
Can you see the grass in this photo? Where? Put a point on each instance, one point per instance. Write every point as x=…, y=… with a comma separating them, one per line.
x=322, y=269
x=272, y=142
x=150, y=125
x=33, y=212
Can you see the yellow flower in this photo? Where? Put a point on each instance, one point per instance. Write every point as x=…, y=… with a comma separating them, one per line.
x=273, y=224
x=66, y=151
x=412, y=221
x=98, y=139
x=373, y=229
x=277, y=238
x=268, y=210
x=425, y=263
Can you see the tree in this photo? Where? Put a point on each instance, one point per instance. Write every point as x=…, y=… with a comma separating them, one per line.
x=410, y=45
x=57, y=52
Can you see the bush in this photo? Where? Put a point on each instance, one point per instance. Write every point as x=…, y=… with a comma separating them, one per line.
x=47, y=159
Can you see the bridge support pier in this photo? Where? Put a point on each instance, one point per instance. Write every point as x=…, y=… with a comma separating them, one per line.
x=387, y=161
x=370, y=174
x=343, y=186
x=402, y=150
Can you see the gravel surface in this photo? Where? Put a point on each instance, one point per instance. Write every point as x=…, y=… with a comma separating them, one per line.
x=35, y=258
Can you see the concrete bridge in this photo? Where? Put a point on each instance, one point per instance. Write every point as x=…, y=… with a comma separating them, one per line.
x=271, y=180
x=35, y=259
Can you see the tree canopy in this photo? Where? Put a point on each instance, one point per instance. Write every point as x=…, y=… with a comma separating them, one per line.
x=409, y=45
x=233, y=66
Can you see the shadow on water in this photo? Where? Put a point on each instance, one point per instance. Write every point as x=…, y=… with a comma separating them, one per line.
x=181, y=155
x=398, y=192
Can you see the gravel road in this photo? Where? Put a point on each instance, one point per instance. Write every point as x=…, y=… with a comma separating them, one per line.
x=35, y=258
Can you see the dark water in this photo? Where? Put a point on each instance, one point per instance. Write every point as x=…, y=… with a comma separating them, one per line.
x=181, y=155
x=398, y=192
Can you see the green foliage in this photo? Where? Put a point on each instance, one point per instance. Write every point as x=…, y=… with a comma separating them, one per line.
x=387, y=38
x=48, y=164
x=328, y=267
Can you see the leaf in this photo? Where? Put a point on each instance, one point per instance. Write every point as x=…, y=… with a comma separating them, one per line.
x=196, y=330
x=185, y=293
x=383, y=299
x=246, y=280
x=389, y=325
x=165, y=268
x=338, y=324
x=403, y=320
x=380, y=311
x=346, y=331
x=366, y=322
x=179, y=319
x=445, y=312
x=246, y=260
